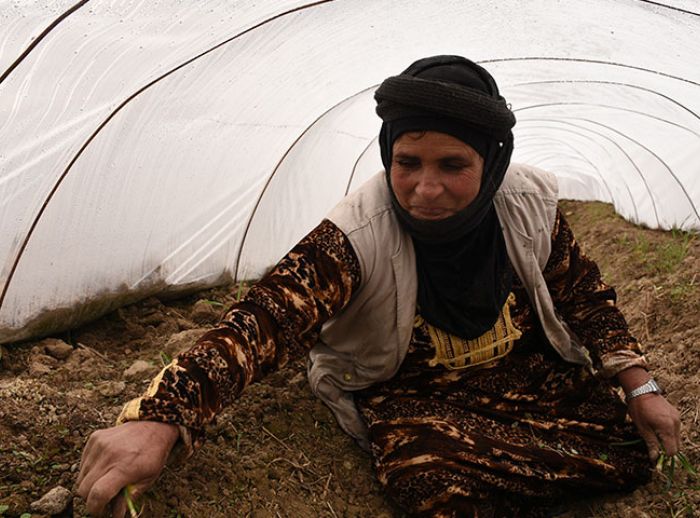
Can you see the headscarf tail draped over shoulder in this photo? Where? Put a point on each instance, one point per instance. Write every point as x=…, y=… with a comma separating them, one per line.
x=464, y=275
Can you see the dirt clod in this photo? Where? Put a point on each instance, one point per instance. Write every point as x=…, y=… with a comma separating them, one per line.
x=138, y=369
x=57, y=348
x=204, y=312
x=111, y=388
x=41, y=364
x=54, y=502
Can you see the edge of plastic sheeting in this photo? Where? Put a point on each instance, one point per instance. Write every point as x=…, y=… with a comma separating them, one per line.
x=62, y=319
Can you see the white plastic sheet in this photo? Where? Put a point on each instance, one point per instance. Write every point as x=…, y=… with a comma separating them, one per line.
x=150, y=146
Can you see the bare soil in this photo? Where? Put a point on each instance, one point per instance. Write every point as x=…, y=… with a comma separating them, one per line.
x=278, y=451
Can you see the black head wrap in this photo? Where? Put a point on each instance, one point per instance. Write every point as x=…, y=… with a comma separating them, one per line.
x=464, y=275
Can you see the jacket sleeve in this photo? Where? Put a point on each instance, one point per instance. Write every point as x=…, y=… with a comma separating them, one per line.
x=587, y=304
x=280, y=316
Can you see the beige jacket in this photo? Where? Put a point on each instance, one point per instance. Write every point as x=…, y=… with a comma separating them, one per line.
x=367, y=341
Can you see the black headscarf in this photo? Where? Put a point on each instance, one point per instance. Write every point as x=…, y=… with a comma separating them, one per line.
x=464, y=275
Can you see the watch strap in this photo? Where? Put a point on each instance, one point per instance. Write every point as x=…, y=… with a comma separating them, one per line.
x=647, y=388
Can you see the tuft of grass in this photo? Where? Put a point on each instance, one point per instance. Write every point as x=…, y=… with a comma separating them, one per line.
x=671, y=254
x=667, y=464
x=663, y=258
x=598, y=211
x=239, y=292
x=681, y=290
x=165, y=358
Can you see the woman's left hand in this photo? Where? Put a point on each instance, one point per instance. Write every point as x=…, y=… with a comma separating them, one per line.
x=657, y=420
x=658, y=423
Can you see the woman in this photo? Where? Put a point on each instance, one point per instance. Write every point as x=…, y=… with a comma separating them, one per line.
x=454, y=328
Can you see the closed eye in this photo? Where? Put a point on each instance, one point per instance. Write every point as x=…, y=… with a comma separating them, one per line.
x=453, y=165
x=406, y=162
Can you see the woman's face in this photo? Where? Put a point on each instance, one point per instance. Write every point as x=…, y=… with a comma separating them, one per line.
x=434, y=175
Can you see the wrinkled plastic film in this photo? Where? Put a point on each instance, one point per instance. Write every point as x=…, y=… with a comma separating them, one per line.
x=152, y=147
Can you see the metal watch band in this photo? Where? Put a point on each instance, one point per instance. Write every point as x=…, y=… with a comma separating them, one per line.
x=647, y=388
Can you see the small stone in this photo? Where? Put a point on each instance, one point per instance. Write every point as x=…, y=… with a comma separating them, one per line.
x=111, y=388
x=54, y=502
x=57, y=348
x=137, y=369
x=204, y=312
x=80, y=358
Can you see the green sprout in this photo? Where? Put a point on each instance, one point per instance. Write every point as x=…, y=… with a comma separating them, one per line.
x=134, y=512
x=666, y=465
x=240, y=290
x=165, y=358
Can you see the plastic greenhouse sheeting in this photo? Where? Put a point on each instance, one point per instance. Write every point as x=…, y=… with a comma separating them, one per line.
x=151, y=146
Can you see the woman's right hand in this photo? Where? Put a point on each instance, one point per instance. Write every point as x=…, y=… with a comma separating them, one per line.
x=131, y=454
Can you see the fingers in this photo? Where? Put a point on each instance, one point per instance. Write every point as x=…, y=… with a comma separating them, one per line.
x=119, y=507
x=103, y=491
x=84, y=459
x=677, y=428
x=670, y=444
x=670, y=434
x=652, y=443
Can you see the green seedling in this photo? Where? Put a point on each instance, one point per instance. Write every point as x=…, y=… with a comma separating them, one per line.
x=165, y=358
x=215, y=303
x=134, y=512
x=239, y=291
x=666, y=465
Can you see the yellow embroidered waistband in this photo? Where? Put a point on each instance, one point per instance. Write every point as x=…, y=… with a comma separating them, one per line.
x=459, y=353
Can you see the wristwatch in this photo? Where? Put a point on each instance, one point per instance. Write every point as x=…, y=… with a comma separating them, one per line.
x=647, y=388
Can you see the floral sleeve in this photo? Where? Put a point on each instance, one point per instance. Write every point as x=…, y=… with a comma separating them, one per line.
x=587, y=304
x=280, y=316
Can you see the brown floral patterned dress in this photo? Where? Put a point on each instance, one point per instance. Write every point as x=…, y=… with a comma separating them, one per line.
x=507, y=439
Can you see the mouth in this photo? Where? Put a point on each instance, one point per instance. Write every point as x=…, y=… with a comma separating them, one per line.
x=429, y=213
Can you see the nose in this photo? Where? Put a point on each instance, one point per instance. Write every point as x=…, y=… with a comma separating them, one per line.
x=429, y=187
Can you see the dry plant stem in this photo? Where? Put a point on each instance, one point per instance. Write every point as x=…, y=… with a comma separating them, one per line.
x=268, y=432
x=171, y=310
x=96, y=353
